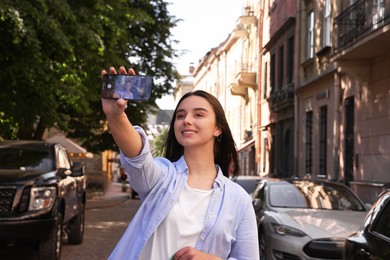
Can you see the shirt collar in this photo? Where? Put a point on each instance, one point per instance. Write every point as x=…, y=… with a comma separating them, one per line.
x=181, y=167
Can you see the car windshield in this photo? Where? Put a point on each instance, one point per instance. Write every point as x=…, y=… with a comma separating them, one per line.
x=312, y=195
x=23, y=158
x=248, y=184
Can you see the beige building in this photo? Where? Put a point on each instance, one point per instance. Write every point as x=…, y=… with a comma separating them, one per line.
x=229, y=72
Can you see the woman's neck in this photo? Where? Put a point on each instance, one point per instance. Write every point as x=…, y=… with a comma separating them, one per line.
x=202, y=170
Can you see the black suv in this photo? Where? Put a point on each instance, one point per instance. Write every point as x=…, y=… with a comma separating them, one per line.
x=42, y=195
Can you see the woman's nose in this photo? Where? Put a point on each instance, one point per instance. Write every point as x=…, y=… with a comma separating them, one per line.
x=187, y=120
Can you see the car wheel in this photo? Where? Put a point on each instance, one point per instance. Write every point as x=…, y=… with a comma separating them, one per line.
x=51, y=248
x=262, y=244
x=76, y=228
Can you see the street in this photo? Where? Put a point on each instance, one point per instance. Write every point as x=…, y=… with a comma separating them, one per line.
x=106, y=219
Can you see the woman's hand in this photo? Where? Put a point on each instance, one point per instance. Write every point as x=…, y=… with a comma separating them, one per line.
x=125, y=136
x=115, y=107
x=189, y=252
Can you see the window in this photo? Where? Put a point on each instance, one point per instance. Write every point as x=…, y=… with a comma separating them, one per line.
x=272, y=72
x=309, y=144
x=280, y=67
x=378, y=13
x=310, y=35
x=326, y=24
x=265, y=149
x=323, y=139
x=265, y=80
x=290, y=60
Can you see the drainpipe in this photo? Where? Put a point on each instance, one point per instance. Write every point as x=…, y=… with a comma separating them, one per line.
x=260, y=150
x=336, y=127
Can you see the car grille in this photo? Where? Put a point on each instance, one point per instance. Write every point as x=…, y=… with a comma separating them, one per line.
x=331, y=248
x=285, y=256
x=7, y=197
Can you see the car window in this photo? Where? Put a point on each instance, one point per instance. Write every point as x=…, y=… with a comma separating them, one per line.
x=382, y=224
x=304, y=194
x=286, y=196
x=24, y=158
x=248, y=185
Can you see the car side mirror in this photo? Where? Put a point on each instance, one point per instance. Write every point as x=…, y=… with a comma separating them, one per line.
x=64, y=172
x=368, y=205
x=78, y=169
x=257, y=204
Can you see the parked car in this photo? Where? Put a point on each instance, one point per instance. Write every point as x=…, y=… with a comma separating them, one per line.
x=42, y=195
x=372, y=240
x=305, y=218
x=248, y=182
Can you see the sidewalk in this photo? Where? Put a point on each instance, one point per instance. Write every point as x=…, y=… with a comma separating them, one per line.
x=112, y=197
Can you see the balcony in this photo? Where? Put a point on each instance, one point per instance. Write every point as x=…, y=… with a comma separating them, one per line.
x=363, y=30
x=237, y=90
x=243, y=81
x=248, y=20
x=282, y=98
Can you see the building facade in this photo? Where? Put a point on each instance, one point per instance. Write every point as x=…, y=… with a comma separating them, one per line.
x=278, y=47
x=343, y=95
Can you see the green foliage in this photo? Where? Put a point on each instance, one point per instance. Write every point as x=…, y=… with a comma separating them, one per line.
x=159, y=143
x=51, y=55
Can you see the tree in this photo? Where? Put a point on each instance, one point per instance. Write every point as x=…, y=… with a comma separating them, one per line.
x=51, y=54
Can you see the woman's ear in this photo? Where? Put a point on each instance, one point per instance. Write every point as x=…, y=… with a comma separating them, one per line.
x=217, y=133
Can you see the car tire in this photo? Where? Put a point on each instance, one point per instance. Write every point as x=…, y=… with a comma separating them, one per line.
x=262, y=245
x=51, y=248
x=76, y=228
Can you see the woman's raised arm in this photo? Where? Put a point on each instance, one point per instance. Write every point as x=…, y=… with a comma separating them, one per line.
x=126, y=137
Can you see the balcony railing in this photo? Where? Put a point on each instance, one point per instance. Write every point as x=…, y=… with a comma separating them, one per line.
x=360, y=19
x=282, y=98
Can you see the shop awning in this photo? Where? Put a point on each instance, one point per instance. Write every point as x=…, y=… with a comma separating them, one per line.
x=73, y=148
x=248, y=144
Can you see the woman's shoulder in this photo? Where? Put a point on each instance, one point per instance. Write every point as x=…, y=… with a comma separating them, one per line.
x=236, y=190
x=180, y=165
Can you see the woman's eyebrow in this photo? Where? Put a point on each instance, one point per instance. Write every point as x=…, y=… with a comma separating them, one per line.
x=195, y=109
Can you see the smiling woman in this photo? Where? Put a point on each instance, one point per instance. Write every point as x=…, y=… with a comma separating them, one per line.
x=187, y=199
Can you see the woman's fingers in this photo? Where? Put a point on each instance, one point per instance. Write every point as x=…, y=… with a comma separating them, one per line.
x=122, y=70
x=131, y=71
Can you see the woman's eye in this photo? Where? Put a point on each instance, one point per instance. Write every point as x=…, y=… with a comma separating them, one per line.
x=198, y=115
x=179, y=116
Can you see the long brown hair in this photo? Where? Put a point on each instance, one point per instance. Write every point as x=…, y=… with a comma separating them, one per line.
x=225, y=153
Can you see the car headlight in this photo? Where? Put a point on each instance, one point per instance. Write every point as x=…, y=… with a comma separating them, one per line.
x=41, y=198
x=286, y=230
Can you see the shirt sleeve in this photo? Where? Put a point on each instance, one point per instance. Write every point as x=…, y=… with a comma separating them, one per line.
x=142, y=170
x=246, y=245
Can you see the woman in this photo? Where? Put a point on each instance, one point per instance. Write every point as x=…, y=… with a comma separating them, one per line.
x=190, y=209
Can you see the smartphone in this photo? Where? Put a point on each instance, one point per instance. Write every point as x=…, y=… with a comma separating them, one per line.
x=129, y=87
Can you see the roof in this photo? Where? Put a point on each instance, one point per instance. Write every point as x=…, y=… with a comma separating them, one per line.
x=72, y=147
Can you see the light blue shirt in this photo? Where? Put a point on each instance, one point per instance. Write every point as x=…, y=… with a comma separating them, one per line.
x=230, y=229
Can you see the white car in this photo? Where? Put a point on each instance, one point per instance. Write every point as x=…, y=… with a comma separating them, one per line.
x=304, y=218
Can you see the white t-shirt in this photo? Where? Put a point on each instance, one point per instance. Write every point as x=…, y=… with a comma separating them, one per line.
x=181, y=227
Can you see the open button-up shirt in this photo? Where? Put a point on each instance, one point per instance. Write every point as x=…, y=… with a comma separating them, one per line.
x=230, y=230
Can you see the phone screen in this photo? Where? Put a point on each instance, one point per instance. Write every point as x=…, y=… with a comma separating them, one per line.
x=129, y=87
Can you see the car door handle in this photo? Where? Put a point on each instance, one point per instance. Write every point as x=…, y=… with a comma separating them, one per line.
x=364, y=252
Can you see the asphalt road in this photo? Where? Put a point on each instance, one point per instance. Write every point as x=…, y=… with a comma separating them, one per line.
x=106, y=219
